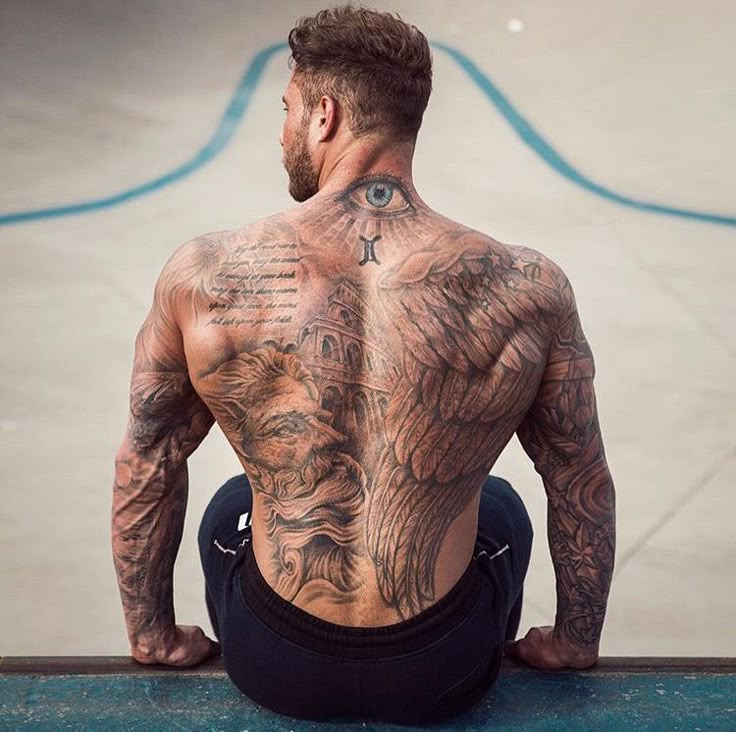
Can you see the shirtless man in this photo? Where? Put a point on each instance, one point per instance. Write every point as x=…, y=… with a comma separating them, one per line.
x=368, y=359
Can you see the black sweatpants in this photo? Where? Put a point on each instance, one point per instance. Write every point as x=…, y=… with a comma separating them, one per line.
x=417, y=671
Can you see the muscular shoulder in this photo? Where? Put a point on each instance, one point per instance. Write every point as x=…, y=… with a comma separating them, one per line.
x=190, y=258
x=193, y=256
x=191, y=272
x=544, y=279
x=520, y=274
x=200, y=253
x=192, y=267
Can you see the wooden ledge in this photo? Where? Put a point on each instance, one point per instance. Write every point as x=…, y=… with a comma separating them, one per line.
x=125, y=665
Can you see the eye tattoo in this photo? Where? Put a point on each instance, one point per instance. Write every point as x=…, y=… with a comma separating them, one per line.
x=378, y=196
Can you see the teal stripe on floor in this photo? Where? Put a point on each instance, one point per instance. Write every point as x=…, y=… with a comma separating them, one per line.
x=527, y=700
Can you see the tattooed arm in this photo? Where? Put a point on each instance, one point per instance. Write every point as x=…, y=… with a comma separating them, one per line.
x=561, y=435
x=167, y=422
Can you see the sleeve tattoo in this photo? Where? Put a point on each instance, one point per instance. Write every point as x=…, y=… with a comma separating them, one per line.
x=561, y=435
x=167, y=422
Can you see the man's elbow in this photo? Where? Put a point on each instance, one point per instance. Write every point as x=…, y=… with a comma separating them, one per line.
x=571, y=473
x=123, y=470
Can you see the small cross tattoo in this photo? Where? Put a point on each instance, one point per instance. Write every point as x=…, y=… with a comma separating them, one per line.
x=369, y=250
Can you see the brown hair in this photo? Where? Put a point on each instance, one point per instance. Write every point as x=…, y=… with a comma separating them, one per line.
x=378, y=67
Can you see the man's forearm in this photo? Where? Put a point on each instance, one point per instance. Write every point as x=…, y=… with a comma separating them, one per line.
x=149, y=505
x=581, y=528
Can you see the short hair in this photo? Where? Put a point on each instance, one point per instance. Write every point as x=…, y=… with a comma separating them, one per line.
x=378, y=67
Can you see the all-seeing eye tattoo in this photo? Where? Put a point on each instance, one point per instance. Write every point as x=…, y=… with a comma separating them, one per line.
x=382, y=195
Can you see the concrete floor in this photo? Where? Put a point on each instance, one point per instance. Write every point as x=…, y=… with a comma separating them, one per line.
x=98, y=98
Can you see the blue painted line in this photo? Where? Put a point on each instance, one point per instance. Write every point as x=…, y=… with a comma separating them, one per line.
x=240, y=101
x=534, y=140
x=222, y=136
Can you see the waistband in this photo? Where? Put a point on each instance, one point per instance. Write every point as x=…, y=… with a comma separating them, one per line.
x=308, y=631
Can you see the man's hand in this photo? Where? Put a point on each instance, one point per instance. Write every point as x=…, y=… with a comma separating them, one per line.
x=189, y=647
x=540, y=648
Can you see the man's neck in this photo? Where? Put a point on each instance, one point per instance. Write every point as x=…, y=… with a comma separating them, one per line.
x=365, y=156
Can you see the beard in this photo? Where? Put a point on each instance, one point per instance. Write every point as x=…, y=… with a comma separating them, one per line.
x=303, y=180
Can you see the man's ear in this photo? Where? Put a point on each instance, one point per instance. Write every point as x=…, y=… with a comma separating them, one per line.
x=328, y=118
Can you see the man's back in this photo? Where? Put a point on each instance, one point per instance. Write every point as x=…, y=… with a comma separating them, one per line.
x=368, y=360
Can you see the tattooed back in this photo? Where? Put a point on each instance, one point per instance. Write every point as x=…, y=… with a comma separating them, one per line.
x=368, y=360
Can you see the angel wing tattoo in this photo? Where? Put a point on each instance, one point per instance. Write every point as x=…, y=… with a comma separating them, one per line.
x=457, y=401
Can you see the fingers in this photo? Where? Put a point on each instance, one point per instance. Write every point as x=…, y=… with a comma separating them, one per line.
x=535, y=649
x=193, y=647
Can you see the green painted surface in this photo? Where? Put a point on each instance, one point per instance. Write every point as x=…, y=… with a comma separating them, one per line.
x=520, y=701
